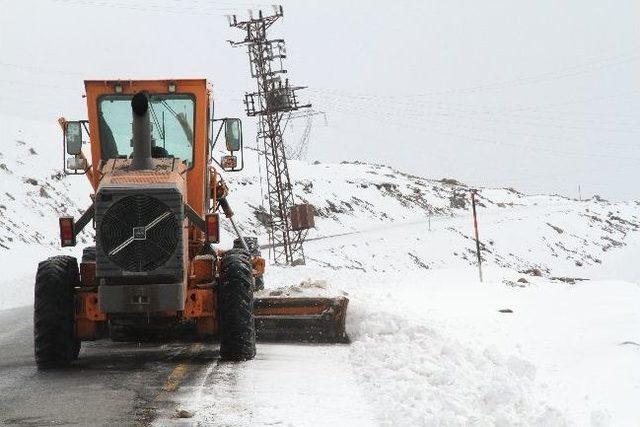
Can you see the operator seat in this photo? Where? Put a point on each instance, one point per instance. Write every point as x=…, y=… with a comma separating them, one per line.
x=158, y=152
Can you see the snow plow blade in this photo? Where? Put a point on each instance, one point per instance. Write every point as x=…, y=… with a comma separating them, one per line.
x=301, y=319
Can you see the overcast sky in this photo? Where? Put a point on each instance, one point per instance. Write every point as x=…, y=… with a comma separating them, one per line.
x=539, y=95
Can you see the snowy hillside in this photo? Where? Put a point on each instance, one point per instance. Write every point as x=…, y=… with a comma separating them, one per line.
x=558, y=236
x=35, y=191
x=33, y=194
x=533, y=345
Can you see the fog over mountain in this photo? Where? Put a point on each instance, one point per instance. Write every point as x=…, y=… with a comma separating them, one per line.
x=542, y=95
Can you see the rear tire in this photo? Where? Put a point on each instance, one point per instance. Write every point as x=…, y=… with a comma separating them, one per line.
x=237, y=326
x=55, y=340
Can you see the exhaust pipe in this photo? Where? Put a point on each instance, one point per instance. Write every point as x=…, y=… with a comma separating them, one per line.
x=141, y=133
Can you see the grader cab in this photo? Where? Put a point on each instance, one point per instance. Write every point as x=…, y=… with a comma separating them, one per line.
x=156, y=206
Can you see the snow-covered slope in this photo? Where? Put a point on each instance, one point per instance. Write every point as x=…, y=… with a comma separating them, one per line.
x=33, y=194
x=35, y=191
x=358, y=203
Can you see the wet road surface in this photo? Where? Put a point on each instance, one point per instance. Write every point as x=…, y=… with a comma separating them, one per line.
x=111, y=383
x=140, y=384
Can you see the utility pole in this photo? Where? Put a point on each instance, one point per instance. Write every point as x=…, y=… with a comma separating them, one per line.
x=288, y=223
x=475, y=228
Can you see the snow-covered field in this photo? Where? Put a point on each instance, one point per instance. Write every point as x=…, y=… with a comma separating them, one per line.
x=430, y=344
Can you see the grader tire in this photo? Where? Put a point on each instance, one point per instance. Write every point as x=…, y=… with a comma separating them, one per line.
x=237, y=326
x=55, y=340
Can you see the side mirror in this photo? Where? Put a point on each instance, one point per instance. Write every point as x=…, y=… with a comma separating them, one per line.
x=233, y=134
x=76, y=164
x=230, y=162
x=73, y=138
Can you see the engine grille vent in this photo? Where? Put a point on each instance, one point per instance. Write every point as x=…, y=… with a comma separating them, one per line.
x=139, y=233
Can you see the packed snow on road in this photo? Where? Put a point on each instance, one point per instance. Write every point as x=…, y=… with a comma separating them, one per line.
x=550, y=337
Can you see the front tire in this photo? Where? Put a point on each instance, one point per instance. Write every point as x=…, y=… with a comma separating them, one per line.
x=237, y=326
x=254, y=248
x=55, y=340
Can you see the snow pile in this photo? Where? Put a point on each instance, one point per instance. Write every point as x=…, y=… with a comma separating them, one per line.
x=306, y=288
x=419, y=376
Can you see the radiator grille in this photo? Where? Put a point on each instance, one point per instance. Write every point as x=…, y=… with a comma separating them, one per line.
x=139, y=233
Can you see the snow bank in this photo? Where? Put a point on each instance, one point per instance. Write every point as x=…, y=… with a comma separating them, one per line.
x=436, y=350
x=412, y=373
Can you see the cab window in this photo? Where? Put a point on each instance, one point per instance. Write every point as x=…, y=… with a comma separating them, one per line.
x=172, y=121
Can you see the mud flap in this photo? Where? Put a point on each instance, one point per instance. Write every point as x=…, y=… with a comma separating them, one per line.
x=301, y=319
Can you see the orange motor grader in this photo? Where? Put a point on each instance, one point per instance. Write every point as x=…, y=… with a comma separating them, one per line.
x=155, y=206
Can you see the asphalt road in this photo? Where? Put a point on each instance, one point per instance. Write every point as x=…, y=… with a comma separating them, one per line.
x=113, y=384
x=139, y=384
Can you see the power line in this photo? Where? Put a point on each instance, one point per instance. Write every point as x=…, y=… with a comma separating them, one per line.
x=596, y=65
x=419, y=126
x=421, y=118
x=179, y=9
x=444, y=111
x=299, y=151
x=415, y=105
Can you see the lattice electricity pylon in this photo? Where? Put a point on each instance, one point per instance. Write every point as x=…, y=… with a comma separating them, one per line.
x=273, y=99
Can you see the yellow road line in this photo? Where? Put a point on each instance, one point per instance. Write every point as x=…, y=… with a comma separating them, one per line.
x=174, y=379
x=178, y=373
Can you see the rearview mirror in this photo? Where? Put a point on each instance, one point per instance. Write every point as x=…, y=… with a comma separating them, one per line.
x=73, y=137
x=233, y=134
x=230, y=161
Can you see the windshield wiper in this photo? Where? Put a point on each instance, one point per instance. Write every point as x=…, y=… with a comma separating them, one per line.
x=182, y=120
x=160, y=129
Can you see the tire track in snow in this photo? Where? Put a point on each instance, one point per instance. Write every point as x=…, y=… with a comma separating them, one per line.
x=285, y=385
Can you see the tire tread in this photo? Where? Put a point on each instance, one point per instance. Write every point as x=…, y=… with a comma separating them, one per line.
x=237, y=325
x=55, y=343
